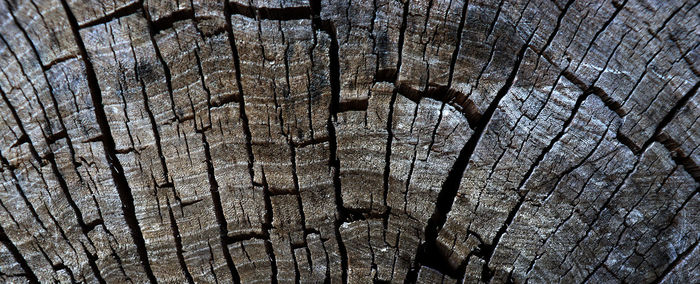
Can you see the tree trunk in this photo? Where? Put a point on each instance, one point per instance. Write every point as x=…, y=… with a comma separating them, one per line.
x=349, y=141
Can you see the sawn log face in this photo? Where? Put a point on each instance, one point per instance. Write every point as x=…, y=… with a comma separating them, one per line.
x=431, y=141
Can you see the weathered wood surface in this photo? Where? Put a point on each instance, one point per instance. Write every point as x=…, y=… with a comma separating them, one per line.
x=349, y=141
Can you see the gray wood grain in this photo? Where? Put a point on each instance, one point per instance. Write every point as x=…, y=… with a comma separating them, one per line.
x=415, y=141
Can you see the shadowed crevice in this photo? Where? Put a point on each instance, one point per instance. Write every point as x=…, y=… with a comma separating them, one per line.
x=116, y=169
x=428, y=254
x=29, y=273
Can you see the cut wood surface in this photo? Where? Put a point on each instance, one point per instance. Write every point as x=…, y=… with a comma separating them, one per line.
x=349, y=141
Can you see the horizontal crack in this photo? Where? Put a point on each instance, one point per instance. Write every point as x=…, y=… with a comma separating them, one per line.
x=447, y=95
x=118, y=13
x=268, y=13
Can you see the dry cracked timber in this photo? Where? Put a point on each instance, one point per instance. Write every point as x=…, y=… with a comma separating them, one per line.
x=350, y=141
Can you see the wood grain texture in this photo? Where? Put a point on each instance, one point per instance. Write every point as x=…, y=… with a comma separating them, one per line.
x=290, y=141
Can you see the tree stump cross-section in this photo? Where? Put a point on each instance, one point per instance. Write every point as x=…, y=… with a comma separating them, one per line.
x=324, y=141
